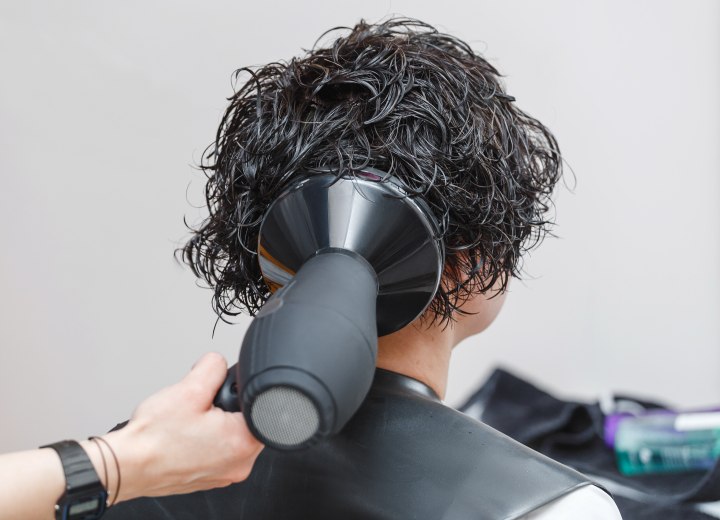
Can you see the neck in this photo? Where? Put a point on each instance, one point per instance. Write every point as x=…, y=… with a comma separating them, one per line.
x=420, y=353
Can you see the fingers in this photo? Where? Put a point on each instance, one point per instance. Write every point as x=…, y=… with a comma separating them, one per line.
x=208, y=374
x=243, y=433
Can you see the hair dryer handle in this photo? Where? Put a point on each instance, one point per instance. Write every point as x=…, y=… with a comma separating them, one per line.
x=227, y=397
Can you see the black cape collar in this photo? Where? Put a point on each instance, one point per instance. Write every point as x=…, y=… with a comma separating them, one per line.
x=400, y=383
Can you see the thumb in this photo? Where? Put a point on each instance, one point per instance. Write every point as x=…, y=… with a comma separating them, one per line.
x=208, y=374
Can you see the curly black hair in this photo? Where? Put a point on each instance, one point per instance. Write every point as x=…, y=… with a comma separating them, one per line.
x=401, y=97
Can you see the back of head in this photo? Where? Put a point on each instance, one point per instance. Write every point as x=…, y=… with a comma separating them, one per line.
x=401, y=97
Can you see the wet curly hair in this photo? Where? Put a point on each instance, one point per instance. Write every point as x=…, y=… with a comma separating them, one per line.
x=399, y=96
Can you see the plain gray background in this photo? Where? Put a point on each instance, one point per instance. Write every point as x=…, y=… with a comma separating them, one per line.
x=105, y=108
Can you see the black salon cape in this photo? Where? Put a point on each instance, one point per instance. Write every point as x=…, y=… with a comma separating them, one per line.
x=572, y=433
x=403, y=455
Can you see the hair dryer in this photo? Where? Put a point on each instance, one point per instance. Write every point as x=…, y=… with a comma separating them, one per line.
x=349, y=257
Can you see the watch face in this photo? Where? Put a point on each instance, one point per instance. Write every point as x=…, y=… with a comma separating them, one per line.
x=85, y=508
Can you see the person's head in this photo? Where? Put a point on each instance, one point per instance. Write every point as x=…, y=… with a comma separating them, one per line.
x=401, y=97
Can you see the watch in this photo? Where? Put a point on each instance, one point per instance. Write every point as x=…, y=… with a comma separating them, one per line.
x=85, y=497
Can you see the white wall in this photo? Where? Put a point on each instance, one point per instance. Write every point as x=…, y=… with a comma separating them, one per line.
x=104, y=107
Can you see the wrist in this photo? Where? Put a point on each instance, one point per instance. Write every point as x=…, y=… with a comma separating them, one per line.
x=95, y=457
x=84, y=495
x=132, y=457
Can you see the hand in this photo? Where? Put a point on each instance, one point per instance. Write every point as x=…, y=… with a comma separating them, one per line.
x=178, y=442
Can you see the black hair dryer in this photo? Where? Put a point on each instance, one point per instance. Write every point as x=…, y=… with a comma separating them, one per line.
x=349, y=257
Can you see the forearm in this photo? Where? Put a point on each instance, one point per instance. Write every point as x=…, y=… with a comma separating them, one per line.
x=32, y=481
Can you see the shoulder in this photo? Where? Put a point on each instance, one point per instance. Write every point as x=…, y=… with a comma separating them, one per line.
x=587, y=502
x=487, y=470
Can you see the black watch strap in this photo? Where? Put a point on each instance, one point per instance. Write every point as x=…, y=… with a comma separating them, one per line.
x=85, y=496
